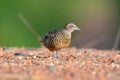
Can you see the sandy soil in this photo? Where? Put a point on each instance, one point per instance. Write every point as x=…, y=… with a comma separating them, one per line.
x=73, y=64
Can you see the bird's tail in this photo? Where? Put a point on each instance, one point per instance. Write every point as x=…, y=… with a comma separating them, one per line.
x=33, y=31
x=41, y=41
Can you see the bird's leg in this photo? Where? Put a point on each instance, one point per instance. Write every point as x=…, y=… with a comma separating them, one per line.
x=55, y=54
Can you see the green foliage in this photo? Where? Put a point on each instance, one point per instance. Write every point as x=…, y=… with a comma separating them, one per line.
x=43, y=15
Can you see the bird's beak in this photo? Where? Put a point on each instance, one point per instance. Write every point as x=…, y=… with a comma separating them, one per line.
x=77, y=29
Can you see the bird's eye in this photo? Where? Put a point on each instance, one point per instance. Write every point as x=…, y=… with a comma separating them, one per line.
x=71, y=26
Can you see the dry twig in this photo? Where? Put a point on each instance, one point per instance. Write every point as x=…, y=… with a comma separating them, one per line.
x=29, y=27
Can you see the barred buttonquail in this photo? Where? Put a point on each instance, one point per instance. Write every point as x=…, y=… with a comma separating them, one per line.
x=58, y=39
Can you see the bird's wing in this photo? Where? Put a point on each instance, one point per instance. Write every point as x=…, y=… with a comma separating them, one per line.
x=52, y=33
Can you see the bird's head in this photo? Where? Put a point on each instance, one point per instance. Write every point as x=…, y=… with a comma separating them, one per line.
x=71, y=27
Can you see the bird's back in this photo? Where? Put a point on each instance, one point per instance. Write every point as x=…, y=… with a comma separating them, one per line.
x=57, y=39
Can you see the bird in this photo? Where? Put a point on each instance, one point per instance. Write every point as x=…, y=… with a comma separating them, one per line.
x=58, y=39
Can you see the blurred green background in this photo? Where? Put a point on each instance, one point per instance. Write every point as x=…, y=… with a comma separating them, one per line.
x=98, y=19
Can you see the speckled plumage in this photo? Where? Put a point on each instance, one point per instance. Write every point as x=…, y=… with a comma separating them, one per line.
x=58, y=39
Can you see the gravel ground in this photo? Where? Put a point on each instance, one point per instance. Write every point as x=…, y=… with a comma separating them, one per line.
x=73, y=64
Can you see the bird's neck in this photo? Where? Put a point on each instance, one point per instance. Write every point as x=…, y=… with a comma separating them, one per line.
x=68, y=33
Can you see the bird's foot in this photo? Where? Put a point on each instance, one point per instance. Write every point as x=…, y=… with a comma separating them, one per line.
x=56, y=55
